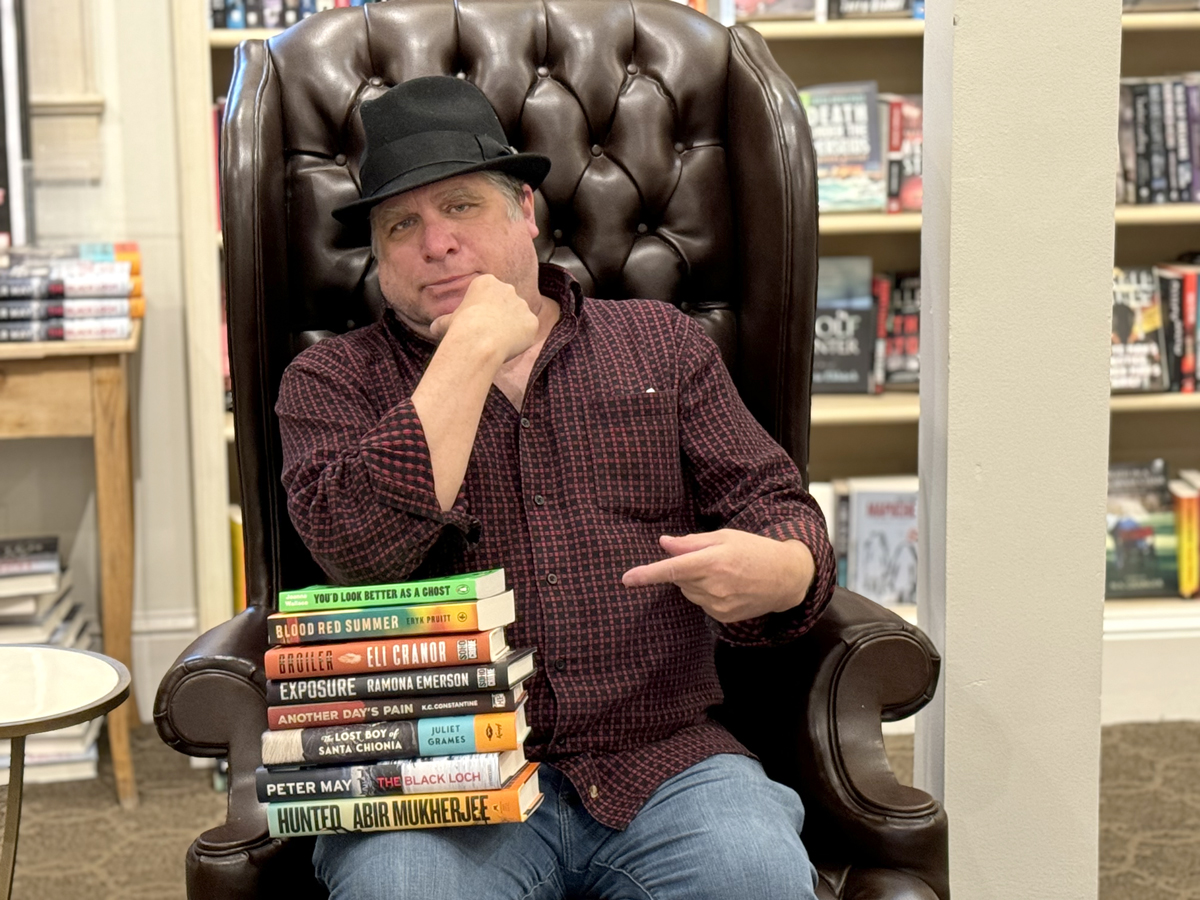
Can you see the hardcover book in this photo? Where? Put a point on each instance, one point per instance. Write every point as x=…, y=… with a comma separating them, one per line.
x=902, y=361
x=845, y=334
x=349, y=712
x=1139, y=350
x=508, y=670
x=882, y=540
x=1140, y=542
x=844, y=121
x=778, y=9
x=858, y=9
x=514, y=802
x=383, y=655
x=472, y=586
x=428, y=775
x=1185, y=499
x=387, y=621
x=24, y=609
x=396, y=740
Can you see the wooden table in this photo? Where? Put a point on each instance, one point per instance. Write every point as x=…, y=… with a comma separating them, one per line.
x=47, y=688
x=81, y=389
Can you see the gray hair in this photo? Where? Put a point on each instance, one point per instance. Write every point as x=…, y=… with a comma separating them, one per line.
x=511, y=187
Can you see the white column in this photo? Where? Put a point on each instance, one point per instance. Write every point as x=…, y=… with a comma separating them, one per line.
x=1017, y=250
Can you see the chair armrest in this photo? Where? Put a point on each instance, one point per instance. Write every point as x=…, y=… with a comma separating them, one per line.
x=212, y=702
x=812, y=712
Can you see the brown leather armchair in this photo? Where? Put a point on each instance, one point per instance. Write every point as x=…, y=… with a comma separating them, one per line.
x=683, y=170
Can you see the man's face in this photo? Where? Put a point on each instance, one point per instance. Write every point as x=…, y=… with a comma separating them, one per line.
x=432, y=242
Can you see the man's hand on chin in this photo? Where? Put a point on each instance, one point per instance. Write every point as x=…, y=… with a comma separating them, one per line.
x=733, y=575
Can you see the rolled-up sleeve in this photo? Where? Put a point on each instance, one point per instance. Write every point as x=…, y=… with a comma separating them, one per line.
x=359, y=481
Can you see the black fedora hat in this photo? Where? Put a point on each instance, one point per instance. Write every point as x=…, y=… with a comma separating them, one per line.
x=428, y=129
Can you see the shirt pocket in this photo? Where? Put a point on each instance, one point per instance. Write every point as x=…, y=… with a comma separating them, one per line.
x=635, y=453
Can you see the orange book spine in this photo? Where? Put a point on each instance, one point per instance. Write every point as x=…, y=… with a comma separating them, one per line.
x=1187, y=538
x=382, y=655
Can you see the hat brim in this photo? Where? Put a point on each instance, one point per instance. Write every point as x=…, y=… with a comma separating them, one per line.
x=531, y=168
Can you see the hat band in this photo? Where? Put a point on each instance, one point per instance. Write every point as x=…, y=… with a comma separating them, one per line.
x=387, y=163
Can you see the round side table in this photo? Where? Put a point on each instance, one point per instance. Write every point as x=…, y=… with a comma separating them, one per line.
x=45, y=688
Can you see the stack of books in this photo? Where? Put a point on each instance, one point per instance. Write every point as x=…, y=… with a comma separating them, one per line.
x=396, y=706
x=78, y=292
x=270, y=13
x=821, y=10
x=36, y=607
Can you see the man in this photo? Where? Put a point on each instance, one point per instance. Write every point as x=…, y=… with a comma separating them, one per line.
x=598, y=451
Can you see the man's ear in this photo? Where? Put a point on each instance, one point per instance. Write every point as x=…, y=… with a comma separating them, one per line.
x=527, y=211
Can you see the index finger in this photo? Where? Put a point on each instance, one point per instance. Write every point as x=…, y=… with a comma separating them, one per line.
x=672, y=570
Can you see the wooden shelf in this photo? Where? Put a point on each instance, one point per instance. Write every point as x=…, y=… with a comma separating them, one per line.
x=1161, y=21
x=839, y=29
x=1159, y=213
x=43, y=349
x=865, y=29
x=869, y=223
x=1129, y=619
x=899, y=407
x=231, y=37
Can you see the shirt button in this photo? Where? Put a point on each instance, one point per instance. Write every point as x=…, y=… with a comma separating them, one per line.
x=539, y=499
x=593, y=791
x=552, y=578
x=525, y=423
x=560, y=663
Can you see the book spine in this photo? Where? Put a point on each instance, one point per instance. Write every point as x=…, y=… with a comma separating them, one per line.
x=474, y=771
x=34, y=564
x=883, y=299
x=387, y=655
x=1183, y=141
x=98, y=308
x=1170, y=143
x=841, y=538
x=350, y=712
x=30, y=287
x=1126, y=145
x=254, y=13
x=1188, y=280
x=1186, y=509
x=216, y=13
x=1141, y=137
x=381, y=621
x=389, y=684
x=307, y=817
x=891, y=114
x=1193, y=107
x=392, y=740
x=453, y=588
x=1170, y=290
x=1157, y=148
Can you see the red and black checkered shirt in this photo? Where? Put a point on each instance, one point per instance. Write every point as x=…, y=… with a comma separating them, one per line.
x=631, y=428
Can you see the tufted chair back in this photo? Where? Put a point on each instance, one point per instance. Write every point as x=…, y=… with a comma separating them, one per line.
x=682, y=171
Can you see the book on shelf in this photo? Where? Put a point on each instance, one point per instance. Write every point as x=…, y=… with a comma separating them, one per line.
x=92, y=252
x=40, y=630
x=425, y=775
x=1185, y=502
x=402, y=739
x=28, y=556
x=844, y=329
x=102, y=329
x=1138, y=362
x=1140, y=544
x=870, y=9
x=383, y=654
x=844, y=121
x=23, y=608
x=776, y=9
x=1159, y=5
x=881, y=538
x=514, y=802
x=72, y=308
x=902, y=332
x=391, y=709
x=508, y=670
x=237, y=557
x=901, y=121
x=51, y=769
x=1158, y=138
x=390, y=621
x=469, y=586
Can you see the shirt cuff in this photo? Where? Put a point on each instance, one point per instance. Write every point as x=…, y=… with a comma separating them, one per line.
x=401, y=472
x=780, y=628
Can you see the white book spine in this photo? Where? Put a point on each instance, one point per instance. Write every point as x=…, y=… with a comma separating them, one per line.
x=469, y=772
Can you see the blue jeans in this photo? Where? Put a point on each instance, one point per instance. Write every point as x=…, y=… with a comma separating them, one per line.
x=720, y=830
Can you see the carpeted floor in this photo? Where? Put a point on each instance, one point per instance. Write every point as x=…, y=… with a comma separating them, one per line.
x=77, y=844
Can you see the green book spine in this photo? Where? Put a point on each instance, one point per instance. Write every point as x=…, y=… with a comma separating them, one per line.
x=473, y=586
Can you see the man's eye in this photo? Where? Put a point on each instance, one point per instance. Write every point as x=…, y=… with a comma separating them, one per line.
x=402, y=225
x=460, y=207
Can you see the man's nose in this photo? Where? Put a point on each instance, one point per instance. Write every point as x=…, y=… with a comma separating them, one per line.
x=438, y=238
